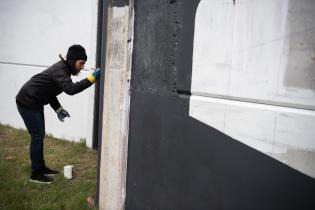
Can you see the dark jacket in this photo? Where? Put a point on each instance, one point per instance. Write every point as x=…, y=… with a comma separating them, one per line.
x=43, y=88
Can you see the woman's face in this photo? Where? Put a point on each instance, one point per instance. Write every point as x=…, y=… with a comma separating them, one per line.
x=79, y=65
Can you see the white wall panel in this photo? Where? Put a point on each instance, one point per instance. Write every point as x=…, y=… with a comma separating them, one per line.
x=35, y=32
x=287, y=134
x=253, y=75
x=32, y=34
x=212, y=47
x=256, y=50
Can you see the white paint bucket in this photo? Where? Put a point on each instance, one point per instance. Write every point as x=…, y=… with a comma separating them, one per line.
x=67, y=171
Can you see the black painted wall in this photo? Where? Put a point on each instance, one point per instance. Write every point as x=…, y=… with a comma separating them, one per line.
x=177, y=162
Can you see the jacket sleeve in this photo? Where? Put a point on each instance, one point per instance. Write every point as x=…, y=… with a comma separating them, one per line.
x=54, y=103
x=63, y=80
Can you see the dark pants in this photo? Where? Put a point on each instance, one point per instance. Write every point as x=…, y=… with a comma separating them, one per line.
x=35, y=123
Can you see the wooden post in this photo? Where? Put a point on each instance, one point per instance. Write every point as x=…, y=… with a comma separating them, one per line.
x=115, y=124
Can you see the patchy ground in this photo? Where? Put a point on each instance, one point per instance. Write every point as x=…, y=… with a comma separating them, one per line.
x=17, y=193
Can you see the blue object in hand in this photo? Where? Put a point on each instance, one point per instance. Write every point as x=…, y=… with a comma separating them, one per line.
x=62, y=114
x=96, y=73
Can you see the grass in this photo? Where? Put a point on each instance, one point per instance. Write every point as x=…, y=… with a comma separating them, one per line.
x=17, y=193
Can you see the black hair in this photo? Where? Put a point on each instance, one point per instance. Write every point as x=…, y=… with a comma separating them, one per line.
x=70, y=64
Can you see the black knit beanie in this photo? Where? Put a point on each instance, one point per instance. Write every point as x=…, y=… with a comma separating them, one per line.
x=76, y=52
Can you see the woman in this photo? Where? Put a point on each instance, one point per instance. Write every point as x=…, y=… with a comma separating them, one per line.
x=41, y=90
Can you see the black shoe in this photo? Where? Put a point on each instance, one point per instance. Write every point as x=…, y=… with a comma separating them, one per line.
x=40, y=178
x=48, y=172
